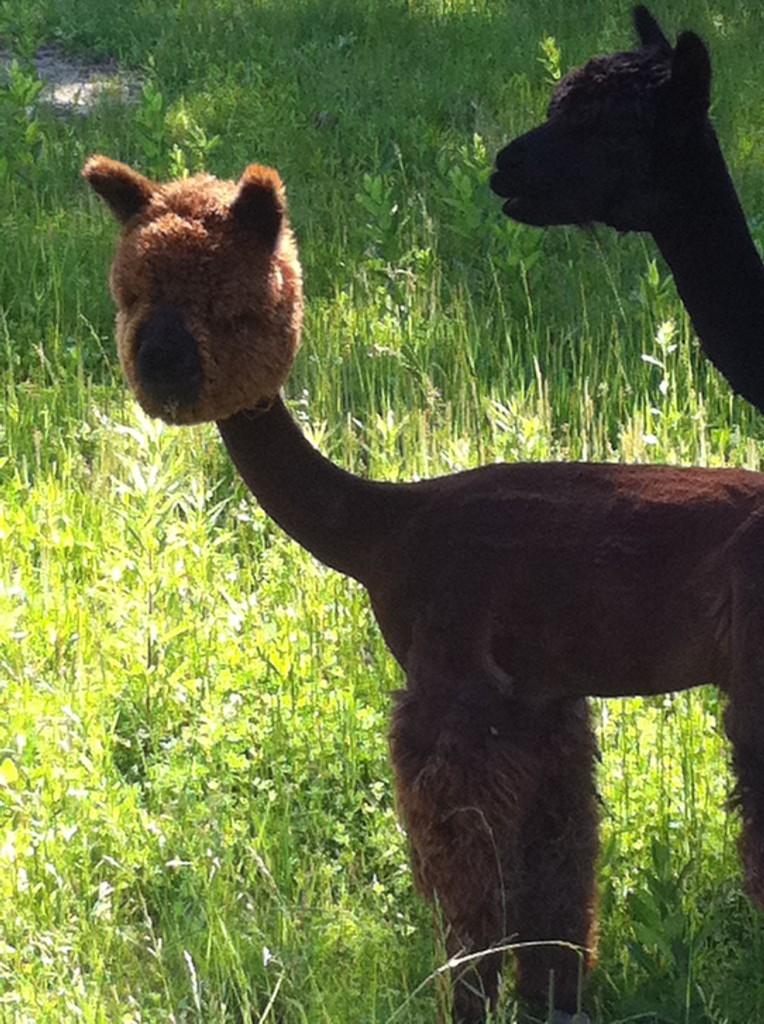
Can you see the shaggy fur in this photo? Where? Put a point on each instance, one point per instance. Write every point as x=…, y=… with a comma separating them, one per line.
x=628, y=142
x=182, y=247
x=507, y=593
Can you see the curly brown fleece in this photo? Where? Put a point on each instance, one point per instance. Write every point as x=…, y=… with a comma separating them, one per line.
x=203, y=245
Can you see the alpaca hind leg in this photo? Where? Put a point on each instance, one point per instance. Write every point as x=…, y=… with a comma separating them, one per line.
x=559, y=851
x=745, y=728
x=744, y=717
x=461, y=782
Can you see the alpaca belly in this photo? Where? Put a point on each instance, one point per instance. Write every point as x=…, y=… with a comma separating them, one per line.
x=602, y=639
x=587, y=655
x=613, y=623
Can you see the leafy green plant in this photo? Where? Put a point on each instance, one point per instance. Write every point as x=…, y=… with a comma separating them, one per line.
x=383, y=216
x=151, y=126
x=666, y=938
x=20, y=129
x=551, y=59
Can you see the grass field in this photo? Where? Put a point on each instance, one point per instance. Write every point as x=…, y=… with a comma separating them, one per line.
x=196, y=821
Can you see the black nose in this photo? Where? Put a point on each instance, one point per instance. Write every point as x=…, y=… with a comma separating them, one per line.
x=509, y=164
x=167, y=358
x=512, y=157
x=500, y=185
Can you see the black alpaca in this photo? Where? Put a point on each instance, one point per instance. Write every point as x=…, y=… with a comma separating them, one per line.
x=628, y=142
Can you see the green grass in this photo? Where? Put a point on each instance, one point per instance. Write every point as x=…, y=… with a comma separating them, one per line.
x=196, y=819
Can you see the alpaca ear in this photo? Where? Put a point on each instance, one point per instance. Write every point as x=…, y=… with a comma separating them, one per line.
x=123, y=189
x=649, y=31
x=260, y=203
x=691, y=75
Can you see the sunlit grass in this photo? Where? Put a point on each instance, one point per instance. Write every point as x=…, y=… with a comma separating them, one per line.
x=196, y=817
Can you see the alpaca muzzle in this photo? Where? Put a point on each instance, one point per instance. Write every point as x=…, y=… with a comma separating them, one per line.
x=518, y=178
x=167, y=361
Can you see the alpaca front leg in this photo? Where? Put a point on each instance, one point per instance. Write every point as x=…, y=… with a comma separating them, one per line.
x=451, y=650
x=560, y=844
x=459, y=788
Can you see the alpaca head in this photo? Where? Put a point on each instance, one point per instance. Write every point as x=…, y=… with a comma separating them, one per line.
x=617, y=139
x=207, y=284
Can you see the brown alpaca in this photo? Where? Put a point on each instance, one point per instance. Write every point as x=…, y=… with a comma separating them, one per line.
x=628, y=142
x=508, y=593
x=186, y=226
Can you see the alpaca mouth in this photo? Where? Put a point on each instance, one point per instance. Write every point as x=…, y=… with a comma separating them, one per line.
x=519, y=201
x=520, y=208
x=524, y=208
x=510, y=207
x=534, y=207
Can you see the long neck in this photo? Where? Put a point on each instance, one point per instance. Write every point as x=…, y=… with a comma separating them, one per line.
x=335, y=515
x=717, y=269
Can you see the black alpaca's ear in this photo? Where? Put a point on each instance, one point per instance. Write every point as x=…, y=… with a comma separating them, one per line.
x=649, y=31
x=691, y=75
x=260, y=203
x=124, y=190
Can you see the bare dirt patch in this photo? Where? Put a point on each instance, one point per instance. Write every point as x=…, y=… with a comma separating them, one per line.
x=73, y=85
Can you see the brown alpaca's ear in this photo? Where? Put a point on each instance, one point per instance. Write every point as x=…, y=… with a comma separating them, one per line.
x=260, y=203
x=649, y=31
x=691, y=75
x=125, y=191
